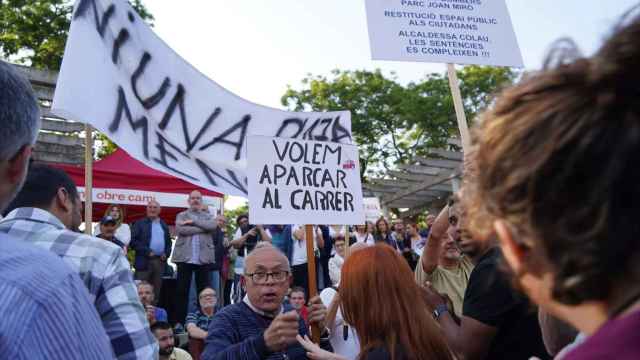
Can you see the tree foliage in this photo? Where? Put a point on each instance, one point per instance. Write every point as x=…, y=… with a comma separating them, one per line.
x=392, y=122
x=34, y=32
x=231, y=216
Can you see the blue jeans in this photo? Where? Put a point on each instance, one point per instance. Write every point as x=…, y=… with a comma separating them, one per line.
x=193, y=297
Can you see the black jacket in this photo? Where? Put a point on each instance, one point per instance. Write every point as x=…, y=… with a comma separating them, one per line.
x=141, y=239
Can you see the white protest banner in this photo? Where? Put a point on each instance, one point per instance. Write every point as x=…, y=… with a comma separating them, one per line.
x=141, y=197
x=447, y=31
x=372, y=209
x=121, y=78
x=293, y=181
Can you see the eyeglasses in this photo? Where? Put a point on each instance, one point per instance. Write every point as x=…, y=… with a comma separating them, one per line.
x=207, y=296
x=263, y=278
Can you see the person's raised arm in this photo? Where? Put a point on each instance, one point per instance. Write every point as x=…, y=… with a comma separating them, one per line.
x=239, y=239
x=431, y=251
x=264, y=234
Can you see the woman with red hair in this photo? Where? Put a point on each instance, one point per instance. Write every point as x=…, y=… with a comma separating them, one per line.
x=385, y=306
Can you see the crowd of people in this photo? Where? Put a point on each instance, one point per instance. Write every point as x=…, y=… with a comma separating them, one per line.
x=535, y=257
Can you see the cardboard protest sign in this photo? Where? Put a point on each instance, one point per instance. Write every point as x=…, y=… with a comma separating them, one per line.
x=447, y=31
x=293, y=181
x=121, y=78
x=372, y=209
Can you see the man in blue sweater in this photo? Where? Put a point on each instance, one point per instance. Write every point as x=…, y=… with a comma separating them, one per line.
x=261, y=327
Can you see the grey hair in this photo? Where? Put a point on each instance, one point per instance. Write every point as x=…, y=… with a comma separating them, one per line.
x=19, y=112
x=267, y=246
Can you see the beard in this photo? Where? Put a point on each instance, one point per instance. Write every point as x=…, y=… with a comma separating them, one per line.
x=166, y=351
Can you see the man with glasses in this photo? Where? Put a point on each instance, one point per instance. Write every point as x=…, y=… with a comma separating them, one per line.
x=198, y=322
x=261, y=326
x=441, y=264
x=245, y=239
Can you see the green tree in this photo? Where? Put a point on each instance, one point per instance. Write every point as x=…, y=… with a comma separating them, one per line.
x=390, y=122
x=231, y=216
x=34, y=32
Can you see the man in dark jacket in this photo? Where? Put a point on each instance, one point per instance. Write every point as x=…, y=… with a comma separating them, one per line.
x=151, y=241
x=261, y=326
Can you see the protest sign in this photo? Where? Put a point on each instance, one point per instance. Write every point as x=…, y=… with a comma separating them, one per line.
x=372, y=209
x=448, y=31
x=293, y=181
x=121, y=78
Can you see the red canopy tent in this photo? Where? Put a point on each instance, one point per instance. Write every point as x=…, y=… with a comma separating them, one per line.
x=123, y=180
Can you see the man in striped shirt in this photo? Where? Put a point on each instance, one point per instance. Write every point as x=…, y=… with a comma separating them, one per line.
x=42, y=297
x=46, y=207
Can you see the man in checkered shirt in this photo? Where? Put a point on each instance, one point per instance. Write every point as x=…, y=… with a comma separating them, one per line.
x=44, y=213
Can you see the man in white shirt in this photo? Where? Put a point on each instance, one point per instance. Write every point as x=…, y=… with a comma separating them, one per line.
x=299, y=259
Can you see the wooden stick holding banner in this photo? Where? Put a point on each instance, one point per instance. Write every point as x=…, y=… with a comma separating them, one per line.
x=454, y=85
x=311, y=268
x=88, y=179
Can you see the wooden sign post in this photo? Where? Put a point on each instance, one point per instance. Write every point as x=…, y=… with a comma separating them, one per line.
x=311, y=268
x=454, y=85
x=88, y=179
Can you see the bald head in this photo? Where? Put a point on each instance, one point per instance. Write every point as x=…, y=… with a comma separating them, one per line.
x=265, y=252
x=272, y=267
x=153, y=209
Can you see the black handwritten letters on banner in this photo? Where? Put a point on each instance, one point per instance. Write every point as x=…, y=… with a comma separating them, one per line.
x=293, y=181
x=120, y=77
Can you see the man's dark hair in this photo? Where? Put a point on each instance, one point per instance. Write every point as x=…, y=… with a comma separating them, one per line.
x=240, y=217
x=298, y=289
x=41, y=186
x=160, y=325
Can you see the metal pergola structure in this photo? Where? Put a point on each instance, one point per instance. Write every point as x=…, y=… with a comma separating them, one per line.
x=423, y=184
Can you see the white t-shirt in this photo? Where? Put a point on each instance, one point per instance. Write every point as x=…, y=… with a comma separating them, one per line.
x=299, y=253
x=349, y=348
x=368, y=237
x=335, y=268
